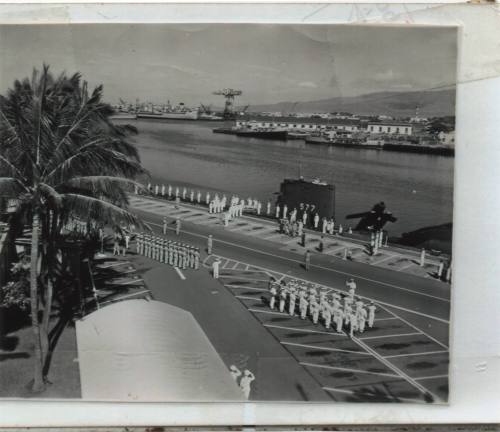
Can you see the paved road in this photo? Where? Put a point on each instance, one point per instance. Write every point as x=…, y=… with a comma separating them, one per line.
x=391, y=257
x=392, y=360
x=412, y=345
x=424, y=302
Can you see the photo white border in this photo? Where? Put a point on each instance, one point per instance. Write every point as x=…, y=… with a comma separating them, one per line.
x=475, y=337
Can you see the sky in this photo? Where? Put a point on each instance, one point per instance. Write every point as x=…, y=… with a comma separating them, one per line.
x=269, y=63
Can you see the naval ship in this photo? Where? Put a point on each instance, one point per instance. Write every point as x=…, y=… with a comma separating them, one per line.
x=170, y=115
x=167, y=112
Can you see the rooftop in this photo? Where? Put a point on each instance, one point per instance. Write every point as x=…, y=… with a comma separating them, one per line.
x=302, y=120
x=390, y=123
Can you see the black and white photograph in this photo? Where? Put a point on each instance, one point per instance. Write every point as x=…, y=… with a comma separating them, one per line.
x=226, y=212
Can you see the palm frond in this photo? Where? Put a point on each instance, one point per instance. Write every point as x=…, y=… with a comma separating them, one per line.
x=10, y=187
x=90, y=208
x=9, y=168
x=102, y=184
x=51, y=195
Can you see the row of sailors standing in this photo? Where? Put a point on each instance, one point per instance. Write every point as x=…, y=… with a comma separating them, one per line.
x=176, y=254
x=215, y=204
x=170, y=192
x=235, y=208
x=347, y=311
x=306, y=217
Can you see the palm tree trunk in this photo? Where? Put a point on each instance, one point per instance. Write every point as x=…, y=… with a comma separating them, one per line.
x=38, y=382
x=44, y=329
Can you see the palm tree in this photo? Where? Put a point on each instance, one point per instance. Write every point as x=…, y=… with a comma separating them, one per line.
x=62, y=158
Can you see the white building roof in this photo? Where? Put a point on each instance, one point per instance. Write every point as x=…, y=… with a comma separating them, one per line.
x=139, y=350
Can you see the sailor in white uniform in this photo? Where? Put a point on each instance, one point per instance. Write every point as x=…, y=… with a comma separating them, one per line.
x=291, y=302
x=353, y=323
x=371, y=314
x=235, y=372
x=316, y=221
x=283, y=295
x=361, y=316
x=339, y=319
x=314, y=308
x=327, y=315
x=303, y=304
x=273, y=291
x=215, y=268
x=245, y=382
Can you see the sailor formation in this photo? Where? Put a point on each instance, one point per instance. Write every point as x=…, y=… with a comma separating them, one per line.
x=170, y=252
x=292, y=221
x=216, y=204
x=345, y=311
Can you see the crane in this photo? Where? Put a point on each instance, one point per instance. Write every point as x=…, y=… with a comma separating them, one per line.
x=229, y=95
x=207, y=109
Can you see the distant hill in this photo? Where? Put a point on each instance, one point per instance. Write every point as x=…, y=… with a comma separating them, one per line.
x=435, y=103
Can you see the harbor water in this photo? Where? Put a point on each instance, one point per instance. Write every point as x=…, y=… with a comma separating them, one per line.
x=417, y=188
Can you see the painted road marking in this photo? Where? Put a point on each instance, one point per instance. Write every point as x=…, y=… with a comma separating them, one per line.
x=416, y=354
x=304, y=330
x=236, y=228
x=383, y=259
x=324, y=348
x=235, y=265
x=390, y=336
x=226, y=263
x=363, y=297
x=416, y=328
x=336, y=390
x=245, y=287
x=97, y=278
x=335, y=250
x=348, y=370
x=385, y=319
x=179, y=272
x=407, y=266
x=246, y=298
x=128, y=283
x=268, y=312
x=319, y=267
x=243, y=278
x=395, y=369
x=431, y=377
x=113, y=265
x=275, y=235
x=124, y=297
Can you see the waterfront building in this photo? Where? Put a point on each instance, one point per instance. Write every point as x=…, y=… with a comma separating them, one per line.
x=295, y=124
x=447, y=138
x=392, y=127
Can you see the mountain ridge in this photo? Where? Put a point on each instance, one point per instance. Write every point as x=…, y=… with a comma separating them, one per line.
x=431, y=103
